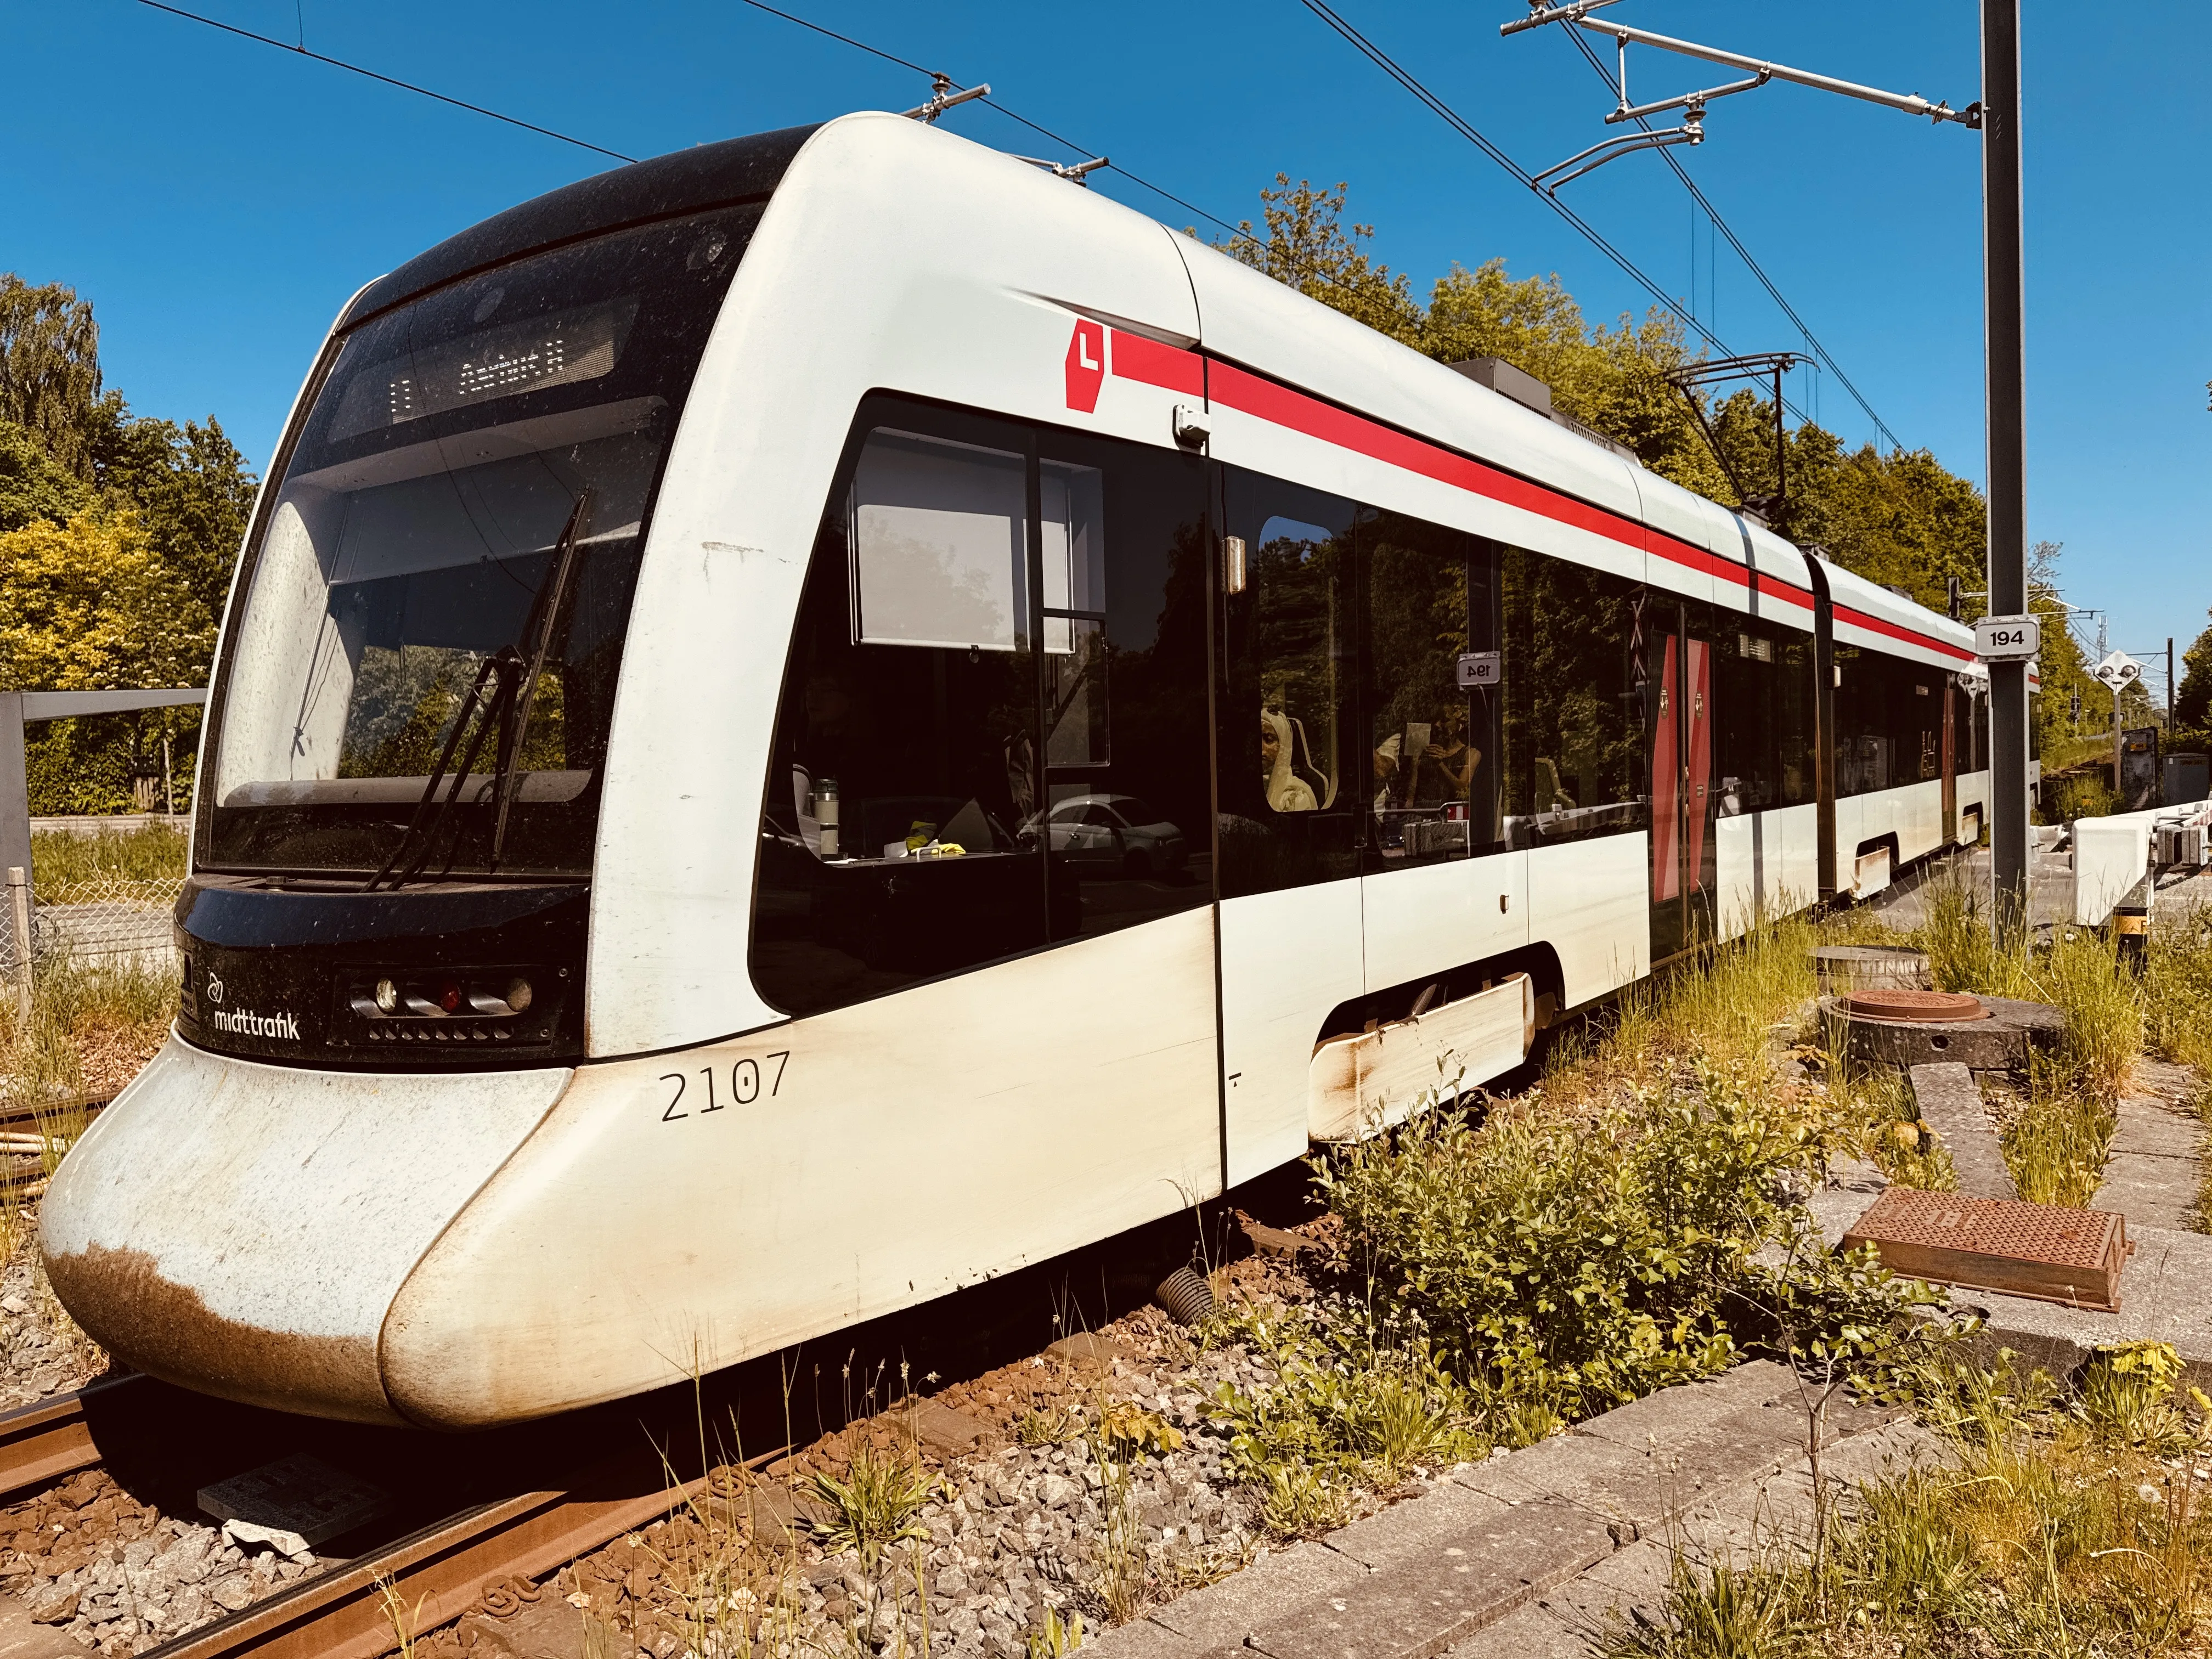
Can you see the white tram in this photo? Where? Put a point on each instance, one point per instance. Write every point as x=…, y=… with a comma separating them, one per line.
x=812, y=720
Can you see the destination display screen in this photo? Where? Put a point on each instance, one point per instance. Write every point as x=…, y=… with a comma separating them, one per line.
x=528, y=355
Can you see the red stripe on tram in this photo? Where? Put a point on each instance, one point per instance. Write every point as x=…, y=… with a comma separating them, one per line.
x=1179, y=369
x=1175, y=369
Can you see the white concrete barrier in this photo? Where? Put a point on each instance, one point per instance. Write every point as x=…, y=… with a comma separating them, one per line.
x=2112, y=854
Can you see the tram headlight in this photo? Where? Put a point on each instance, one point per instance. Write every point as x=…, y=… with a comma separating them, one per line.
x=387, y=997
x=518, y=995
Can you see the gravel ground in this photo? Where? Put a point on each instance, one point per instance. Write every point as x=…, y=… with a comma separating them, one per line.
x=86, y=1556
x=44, y=1355
x=1018, y=1533
x=1022, y=1527
x=120, y=1577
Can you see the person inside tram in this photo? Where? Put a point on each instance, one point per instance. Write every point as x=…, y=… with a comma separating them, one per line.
x=1286, y=791
x=1443, y=770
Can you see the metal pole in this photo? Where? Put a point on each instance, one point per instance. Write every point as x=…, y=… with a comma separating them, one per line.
x=2003, y=305
x=14, y=816
x=2122, y=807
x=19, y=920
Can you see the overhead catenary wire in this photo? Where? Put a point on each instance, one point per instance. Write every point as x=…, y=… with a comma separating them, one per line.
x=1714, y=218
x=1459, y=123
x=1014, y=116
x=1236, y=233
x=300, y=51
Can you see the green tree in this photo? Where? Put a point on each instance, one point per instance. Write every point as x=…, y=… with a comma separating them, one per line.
x=50, y=368
x=91, y=604
x=64, y=442
x=1302, y=242
x=2063, y=666
x=190, y=488
x=2192, y=698
x=32, y=485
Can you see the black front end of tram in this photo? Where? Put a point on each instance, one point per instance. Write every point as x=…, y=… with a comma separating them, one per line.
x=443, y=976
x=397, y=812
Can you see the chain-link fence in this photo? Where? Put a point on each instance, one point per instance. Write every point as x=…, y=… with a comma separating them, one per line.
x=108, y=919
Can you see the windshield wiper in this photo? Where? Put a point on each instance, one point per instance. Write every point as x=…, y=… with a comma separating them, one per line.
x=514, y=723
x=503, y=675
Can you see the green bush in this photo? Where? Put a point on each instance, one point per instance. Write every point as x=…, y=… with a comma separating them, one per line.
x=1570, y=1264
x=1354, y=1403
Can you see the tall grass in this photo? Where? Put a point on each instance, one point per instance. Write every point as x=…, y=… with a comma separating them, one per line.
x=2080, y=974
x=62, y=858
x=2052, y=1534
x=2057, y=1146
x=2177, y=988
x=1726, y=1007
x=2081, y=795
x=1964, y=950
x=80, y=1009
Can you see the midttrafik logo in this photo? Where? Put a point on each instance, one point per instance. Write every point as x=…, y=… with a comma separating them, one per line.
x=243, y=1022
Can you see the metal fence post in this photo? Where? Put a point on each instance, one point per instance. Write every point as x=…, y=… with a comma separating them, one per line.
x=19, y=921
x=15, y=820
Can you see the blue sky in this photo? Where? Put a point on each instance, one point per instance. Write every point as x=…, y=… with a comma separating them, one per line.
x=218, y=200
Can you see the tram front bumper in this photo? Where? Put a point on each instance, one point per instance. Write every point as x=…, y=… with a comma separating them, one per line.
x=242, y=1229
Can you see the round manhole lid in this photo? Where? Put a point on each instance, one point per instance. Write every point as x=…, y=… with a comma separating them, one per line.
x=1931, y=1007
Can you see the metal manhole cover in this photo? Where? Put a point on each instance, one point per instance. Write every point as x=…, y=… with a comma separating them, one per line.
x=2036, y=1250
x=1931, y=1008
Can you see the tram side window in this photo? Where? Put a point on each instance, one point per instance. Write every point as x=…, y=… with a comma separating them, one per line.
x=1763, y=734
x=908, y=727
x=1128, y=793
x=1573, y=696
x=1920, y=695
x=1864, y=751
x=1431, y=757
x=992, y=733
x=1889, y=715
x=1291, y=763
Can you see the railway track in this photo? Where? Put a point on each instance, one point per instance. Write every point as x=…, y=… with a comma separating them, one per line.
x=485, y=1521
x=470, y=1512
x=18, y=1117
x=26, y=1140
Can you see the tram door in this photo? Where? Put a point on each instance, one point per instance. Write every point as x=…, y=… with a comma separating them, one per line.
x=1950, y=759
x=1679, y=704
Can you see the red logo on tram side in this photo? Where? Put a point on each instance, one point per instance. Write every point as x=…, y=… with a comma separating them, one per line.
x=1086, y=365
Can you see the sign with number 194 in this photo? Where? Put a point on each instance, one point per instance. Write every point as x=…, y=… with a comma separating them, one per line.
x=2006, y=639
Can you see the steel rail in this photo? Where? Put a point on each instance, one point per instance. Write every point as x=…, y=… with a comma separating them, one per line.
x=426, y=1579
x=423, y=1580
x=21, y=1115
x=39, y=1444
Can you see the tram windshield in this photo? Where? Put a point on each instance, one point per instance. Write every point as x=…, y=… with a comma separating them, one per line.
x=421, y=668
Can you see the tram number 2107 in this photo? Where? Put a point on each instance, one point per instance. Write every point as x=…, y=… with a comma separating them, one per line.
x=744, y=1082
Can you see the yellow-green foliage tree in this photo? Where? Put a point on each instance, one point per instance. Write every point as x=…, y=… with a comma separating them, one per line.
x=91, y=604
